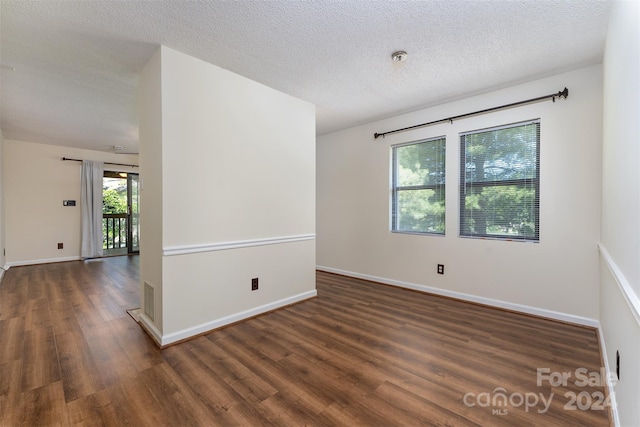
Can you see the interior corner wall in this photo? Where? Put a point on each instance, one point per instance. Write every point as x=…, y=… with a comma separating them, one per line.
x=35, y=181
x=557, y=276
x=3, y=258
x=151, y=213
x=620, y=244
x=237, y=196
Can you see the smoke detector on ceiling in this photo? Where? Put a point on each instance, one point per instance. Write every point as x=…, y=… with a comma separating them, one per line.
x=399, y=56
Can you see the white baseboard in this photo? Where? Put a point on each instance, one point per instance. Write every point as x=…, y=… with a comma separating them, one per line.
x=147, y=325
x=42, y=261
x=193, y=331
x=610, y=385
x=569, y=318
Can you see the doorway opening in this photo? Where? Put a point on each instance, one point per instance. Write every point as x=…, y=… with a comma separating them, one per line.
x=120, y=213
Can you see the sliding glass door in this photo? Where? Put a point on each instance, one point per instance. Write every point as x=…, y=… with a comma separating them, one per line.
x=121, y=213
x=133, y=202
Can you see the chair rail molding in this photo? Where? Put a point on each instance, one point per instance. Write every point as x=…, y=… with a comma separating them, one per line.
x=625, y=287
x=223, y=246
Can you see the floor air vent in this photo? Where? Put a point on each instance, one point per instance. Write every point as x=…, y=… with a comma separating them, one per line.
x=149, y=301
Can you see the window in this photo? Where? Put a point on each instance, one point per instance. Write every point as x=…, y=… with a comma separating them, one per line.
x=500, y=182
x=418, y=187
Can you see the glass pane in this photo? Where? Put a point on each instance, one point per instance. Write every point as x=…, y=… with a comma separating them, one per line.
x=501, y=211
x=114, y=195
x=420, y=211
x=135, y=212
x=501, y=154
x=421, y=164
x=114, y=212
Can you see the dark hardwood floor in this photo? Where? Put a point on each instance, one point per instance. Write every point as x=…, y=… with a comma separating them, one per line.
x=359, y=354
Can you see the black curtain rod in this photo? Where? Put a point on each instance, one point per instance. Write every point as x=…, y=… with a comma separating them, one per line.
x=562, y=94
x=106, y=163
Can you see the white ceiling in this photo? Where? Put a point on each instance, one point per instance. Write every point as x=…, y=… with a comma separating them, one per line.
x=70, y=68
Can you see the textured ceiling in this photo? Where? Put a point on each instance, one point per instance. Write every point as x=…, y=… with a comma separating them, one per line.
x=70, y=68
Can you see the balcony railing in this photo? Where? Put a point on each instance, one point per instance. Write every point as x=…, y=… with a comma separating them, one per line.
x=114, y=231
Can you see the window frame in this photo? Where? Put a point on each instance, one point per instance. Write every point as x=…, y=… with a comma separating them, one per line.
x=520, y=182
x=395, y=189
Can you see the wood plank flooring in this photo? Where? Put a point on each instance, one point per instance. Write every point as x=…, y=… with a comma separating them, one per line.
x=361, y=354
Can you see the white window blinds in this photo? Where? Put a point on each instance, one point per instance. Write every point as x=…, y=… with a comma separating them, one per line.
x=500, y=183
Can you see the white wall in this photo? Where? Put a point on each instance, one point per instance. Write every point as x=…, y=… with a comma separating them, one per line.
x=620, y=270
x=238, y=169
x=556, y=277
x=3, y=258
x=36, y=180
x=151, y=214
